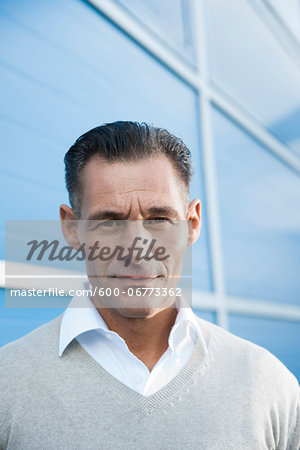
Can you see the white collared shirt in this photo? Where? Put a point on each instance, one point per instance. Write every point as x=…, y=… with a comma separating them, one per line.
x=110, y=350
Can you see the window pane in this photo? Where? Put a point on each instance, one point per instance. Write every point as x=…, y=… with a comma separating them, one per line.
x=259, y=198
x=289, y=12
x=201, y=262
x=280, y=337
x=249, y=63
x=170, y=20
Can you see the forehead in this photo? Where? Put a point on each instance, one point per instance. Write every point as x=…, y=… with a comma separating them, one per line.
x=154, y=174
x=118, y=182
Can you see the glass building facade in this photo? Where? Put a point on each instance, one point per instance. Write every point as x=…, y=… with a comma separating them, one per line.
x=223, y=76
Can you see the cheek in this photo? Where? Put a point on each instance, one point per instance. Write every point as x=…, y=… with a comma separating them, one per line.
x=175, y=248
x=174, y=240
x=96, y=268
x=94, y=245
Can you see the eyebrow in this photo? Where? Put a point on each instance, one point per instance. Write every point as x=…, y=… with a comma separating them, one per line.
x=111, y=214
x=163, y=210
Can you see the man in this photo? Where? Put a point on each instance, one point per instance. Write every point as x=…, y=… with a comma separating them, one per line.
x=139, y=372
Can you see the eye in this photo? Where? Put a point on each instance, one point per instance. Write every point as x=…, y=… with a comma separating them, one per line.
x=158, y=221
x=108, y=224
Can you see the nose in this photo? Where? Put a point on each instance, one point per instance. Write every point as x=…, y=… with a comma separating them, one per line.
x=137, y=237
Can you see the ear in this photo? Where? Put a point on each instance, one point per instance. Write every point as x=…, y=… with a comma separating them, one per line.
x=69, y=226
x=193, y=217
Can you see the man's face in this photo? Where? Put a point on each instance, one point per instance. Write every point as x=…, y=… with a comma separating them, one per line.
x=140, y=201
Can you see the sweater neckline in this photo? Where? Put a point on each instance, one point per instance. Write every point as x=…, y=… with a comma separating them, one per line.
x=128, y=397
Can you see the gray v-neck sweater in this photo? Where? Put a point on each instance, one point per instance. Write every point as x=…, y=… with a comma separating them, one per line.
x=237, y=397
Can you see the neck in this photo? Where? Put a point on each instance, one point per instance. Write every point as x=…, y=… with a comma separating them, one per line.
x=146, y=337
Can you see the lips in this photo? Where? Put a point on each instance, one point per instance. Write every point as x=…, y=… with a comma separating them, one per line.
x=137, y=277
x=135, y=280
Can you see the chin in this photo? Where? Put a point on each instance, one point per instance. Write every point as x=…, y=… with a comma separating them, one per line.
x=135, y=313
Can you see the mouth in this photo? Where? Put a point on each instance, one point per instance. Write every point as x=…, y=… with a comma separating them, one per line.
x=137, y=277
x=136, y=280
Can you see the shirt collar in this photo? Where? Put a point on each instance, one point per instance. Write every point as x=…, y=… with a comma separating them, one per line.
x=186, y=321
x=81, y=316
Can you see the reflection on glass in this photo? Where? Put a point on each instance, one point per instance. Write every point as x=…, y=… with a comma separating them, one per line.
x=170, y=20
x=251, y=65
x=280, y=337
x=259, y=200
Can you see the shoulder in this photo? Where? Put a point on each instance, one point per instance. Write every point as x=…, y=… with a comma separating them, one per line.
x=243, y=358
x=253, y=376
x=34, y=345
x=23, y=364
